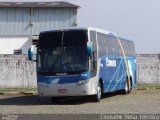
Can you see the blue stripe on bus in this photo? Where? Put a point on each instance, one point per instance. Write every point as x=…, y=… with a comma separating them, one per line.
x=63, y=79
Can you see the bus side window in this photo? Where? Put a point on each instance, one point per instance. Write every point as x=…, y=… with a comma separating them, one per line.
x=110, y=44
x=94, y=54
x=124, y=46
x=101, y=44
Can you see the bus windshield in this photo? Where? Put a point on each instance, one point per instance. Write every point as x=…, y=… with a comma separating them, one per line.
x=62, y=52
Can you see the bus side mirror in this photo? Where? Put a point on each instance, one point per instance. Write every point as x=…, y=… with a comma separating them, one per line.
x=32, y=53
x=89, y=49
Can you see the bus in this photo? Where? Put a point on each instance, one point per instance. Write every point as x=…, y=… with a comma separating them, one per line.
x=83, y=62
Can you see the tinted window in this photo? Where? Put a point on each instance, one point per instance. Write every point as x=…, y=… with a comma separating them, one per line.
x=108, y=45
x=93, y=39
x=94, y=54
x=50, y=40
x=75, y=38
x=63, y=52
x=62, y=39
x=102, y=43
x=128, y=47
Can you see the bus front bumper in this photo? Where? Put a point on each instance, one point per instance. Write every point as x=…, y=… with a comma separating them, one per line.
x=69, y=89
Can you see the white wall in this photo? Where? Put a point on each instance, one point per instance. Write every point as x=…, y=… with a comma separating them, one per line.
x=9, y=44
x=16, y=71
x=148, y=69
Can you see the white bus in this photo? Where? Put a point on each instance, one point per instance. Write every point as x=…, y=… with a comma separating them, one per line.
x=83, y=61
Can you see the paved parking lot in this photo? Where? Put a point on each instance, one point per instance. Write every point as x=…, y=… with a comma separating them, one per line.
x=141, y=102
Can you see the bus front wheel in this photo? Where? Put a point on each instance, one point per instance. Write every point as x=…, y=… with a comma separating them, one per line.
x=98, y=96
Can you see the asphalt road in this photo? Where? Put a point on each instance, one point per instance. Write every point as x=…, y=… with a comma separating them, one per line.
x=137, y=102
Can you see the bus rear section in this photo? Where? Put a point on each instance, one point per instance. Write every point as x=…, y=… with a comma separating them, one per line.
x=117, y=67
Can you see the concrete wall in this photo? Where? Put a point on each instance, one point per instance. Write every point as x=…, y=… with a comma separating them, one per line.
x=148, y=68
x=9, y=44
x=18, y=72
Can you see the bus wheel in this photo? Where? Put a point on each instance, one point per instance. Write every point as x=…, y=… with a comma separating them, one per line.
x=98, y=96
x=127, y=88
x=130, y=86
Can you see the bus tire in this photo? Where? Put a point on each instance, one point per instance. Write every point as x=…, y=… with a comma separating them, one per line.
x=98, y=96
x=128, y=87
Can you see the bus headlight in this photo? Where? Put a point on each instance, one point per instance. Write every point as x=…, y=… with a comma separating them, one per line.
x=82, y=82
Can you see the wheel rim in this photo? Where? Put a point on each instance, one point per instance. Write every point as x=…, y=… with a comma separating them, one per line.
x=99, y=92
x=126, y=87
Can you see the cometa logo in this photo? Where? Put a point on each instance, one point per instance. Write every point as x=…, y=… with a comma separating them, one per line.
x=110, y=63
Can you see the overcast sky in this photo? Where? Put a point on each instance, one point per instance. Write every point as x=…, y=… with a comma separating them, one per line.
x=138, y=19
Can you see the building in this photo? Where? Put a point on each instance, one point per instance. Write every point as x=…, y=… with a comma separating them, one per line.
x=21, y=22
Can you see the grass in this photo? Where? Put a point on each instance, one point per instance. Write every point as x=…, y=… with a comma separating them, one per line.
x=18, y=90
x=147, y=87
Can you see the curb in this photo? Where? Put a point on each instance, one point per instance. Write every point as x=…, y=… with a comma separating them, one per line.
x=28, y=93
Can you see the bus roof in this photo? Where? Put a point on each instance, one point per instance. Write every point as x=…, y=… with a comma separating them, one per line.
x=110, y=33
x=92, y=28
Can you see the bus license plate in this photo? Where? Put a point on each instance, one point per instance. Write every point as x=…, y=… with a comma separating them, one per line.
x=62, y=90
